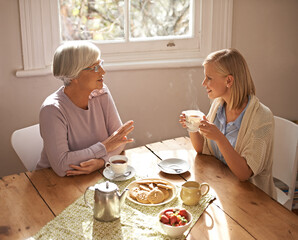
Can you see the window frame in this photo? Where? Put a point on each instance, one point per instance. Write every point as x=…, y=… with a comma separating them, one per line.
x=40, y=31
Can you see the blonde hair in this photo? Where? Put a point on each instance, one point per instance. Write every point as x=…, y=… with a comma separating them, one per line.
x=72, y=57
x=231, y=62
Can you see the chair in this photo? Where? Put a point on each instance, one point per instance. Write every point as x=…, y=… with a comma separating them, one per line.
x=285, y=157
x=28, y=144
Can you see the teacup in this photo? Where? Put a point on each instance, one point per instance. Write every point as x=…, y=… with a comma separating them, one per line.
x=191, y=192
x=193, y=119
x=118, y=164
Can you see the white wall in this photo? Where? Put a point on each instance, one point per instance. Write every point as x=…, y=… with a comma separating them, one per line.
x=264, y=31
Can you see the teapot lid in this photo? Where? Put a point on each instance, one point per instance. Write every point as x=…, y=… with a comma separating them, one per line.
x=106, y=187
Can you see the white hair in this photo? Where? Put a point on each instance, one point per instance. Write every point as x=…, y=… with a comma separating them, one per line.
x=72, y=57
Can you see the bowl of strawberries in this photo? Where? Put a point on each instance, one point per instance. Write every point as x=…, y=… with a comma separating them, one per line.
x=174, y=221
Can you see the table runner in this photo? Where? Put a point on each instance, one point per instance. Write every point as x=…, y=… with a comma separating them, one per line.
x=136, y=221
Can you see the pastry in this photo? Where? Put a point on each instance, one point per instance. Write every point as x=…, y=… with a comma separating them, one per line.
x=155, y=196
x=165, y=192
x=164, y=186
x=160, y=181
x=145, y=181
x=142, y=196
x=145, y=188
x=151, y=186
x=151, y=191
x=133, y=192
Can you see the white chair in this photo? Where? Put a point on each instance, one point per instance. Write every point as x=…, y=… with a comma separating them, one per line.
x=28, y=144
x=285, y=157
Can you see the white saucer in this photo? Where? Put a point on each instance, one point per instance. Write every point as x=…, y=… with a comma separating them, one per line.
x=168, y=165
x=109, y=174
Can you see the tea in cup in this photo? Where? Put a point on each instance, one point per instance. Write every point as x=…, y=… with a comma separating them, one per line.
x=118, y=164
x=193, y=119
x=191, y=192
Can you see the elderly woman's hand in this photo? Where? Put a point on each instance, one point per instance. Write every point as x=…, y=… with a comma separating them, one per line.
x=119, y=137
x=86, y=167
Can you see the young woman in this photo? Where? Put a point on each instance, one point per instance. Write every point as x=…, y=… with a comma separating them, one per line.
x=79, y=123
x=238, y=129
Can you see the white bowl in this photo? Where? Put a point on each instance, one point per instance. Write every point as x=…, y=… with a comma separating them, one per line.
x=173, y=231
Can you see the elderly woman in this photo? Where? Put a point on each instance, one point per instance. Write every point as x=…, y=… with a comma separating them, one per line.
x=79, y=123
x=238, y=129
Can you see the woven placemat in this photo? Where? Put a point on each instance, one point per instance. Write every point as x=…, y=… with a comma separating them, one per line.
x=136, y=221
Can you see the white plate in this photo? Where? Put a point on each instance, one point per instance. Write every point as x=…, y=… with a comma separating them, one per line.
x=168, y=165
x=109, y=174
x=173, y=193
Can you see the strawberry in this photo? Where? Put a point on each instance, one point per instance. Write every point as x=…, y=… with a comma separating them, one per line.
x=169, y=209
x=181, y=223
x=173, y=220
x=183, y=213
x=164, y=219
x=169, y=213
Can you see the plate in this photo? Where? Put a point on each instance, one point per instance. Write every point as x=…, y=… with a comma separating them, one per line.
x=173, y=194
x=109, y=174
x=169, y=165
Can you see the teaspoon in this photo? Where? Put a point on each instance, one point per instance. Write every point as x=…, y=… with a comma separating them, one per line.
x=171, y=167
x=126, y=174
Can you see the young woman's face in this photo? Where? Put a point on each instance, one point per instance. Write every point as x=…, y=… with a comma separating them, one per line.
x=215, y=83
x=89, y=79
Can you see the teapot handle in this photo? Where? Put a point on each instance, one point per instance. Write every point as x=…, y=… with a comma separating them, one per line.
x=86, y=202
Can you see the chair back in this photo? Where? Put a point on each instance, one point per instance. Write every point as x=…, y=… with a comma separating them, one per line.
x=285, y=156
x=28, y=145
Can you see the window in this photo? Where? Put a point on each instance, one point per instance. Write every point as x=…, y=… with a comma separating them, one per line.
x=130, y=33
x=106, y=20
x=122, y=21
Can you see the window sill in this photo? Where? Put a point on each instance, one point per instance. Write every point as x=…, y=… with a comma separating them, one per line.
x=35, y=72
x=120, y=66
x=153, y=64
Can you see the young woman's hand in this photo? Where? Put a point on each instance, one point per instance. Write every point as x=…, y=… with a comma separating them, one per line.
x=210, y=130
x=182, y=120
x=86, y=167
x=119, y=137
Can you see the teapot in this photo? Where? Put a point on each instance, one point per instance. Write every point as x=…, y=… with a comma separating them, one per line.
x=107, y=201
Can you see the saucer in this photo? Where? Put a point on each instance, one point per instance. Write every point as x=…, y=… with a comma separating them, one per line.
x=169, y=164
x=109, y=174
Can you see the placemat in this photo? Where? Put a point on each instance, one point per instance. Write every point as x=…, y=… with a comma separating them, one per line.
x=136, y=221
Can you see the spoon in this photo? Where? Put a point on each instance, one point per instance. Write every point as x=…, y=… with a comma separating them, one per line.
x=171, y=167
x=126, y=174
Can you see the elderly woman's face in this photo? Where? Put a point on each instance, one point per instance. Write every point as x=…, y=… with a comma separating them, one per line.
x=91, y=78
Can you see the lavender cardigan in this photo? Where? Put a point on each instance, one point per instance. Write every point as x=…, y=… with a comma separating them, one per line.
x=72, y=135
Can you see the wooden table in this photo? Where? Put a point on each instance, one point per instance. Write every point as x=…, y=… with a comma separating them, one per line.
x=241, y=211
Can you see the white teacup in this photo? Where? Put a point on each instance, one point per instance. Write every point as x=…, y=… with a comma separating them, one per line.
x=118, y=164
x=193, y=119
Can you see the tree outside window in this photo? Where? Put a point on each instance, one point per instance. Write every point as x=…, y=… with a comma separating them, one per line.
x=106, y=20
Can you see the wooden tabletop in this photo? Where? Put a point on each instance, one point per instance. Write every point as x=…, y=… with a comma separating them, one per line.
x=241, y=211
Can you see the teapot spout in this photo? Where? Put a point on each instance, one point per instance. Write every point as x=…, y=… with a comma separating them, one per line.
x=123, y=195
